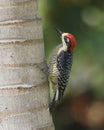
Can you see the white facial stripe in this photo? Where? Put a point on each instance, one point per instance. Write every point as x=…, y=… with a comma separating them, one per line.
x=64, y=47
x=63, y=35
x=63, y=42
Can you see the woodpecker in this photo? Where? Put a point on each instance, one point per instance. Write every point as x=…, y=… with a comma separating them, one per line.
x=59, y=68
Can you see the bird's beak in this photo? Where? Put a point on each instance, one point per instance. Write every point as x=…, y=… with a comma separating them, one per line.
x=59, y=32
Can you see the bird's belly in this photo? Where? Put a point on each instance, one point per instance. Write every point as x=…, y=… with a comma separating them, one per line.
x=54, y=74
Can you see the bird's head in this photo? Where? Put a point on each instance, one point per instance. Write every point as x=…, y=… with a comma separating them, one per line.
x=68, y=40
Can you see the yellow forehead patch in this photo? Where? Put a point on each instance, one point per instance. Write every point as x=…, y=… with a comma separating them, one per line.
x=64, y=34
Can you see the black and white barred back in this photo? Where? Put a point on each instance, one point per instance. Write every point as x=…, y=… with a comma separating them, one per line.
x=59, y=69
x=64, y=63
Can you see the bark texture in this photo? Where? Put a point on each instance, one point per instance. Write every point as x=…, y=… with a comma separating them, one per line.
x=24, y=93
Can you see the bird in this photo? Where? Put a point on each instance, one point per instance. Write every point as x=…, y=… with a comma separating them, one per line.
x=60, y=64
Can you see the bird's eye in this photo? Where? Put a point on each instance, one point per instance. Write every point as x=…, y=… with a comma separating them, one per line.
x=66, y=39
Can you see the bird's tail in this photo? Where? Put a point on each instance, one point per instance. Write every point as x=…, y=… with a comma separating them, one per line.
x=60, y=96
x=54, y=101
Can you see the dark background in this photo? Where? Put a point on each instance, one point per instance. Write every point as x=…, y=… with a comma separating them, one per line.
x=83, y=105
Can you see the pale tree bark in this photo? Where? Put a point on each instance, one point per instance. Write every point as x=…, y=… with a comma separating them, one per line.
x=24, y=93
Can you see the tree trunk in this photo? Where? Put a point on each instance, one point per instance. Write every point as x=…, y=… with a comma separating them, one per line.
x=24, y=94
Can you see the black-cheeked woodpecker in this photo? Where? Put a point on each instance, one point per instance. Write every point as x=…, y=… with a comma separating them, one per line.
x=59, y=67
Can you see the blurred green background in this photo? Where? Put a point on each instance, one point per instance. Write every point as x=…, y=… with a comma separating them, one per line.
x=83, y=105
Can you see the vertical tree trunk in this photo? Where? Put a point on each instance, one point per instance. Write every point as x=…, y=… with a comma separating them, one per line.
x=24, y=91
